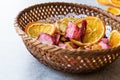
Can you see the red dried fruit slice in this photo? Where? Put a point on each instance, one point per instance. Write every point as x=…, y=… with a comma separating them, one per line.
x=46, y=39
x=83, y=29
x=57, y=39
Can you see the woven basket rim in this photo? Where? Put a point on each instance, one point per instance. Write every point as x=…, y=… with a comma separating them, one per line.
x=82, y=52
x=74, y=4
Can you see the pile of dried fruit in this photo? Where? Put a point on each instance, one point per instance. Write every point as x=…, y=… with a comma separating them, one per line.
x=88, y=33
x=114, y=6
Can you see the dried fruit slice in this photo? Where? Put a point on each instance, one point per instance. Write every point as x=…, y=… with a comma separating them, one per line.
x=83, y=29
x=105, y=2
x=96, y=47
x=62, y=45
x=63, y=39
x=105, y=40
x=103, y=45
x=73, y=31
x=70, y=45
x=46, y=39
x=115, y=3
x=33, y=29
x=113, y=10
x=114, y=38
x=57, y=38
x=63, y=24
x=95, y=31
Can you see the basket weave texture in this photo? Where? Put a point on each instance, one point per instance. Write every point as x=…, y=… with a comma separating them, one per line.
x=63, y=59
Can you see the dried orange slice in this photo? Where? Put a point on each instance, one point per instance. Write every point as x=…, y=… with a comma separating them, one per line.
x=113, y=10
x=105, y=2
x=95, y=31
x=115, y=3
x=33, y=29
x=114, y=38
x=62, y=24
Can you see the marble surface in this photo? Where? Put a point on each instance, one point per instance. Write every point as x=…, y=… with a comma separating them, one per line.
x=16, y=63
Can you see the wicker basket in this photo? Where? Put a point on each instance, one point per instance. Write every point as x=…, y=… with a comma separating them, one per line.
x=63, y=59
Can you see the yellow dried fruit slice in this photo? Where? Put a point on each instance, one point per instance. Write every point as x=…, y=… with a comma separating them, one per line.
x=33, y=29
x=115, y=3
x=96, y=47
x=114, y=38
x=113, y=10
x=105, y=2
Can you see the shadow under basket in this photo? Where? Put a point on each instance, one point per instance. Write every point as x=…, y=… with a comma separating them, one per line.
x=64, y=59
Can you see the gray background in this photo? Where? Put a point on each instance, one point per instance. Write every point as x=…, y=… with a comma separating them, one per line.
x=16, y=63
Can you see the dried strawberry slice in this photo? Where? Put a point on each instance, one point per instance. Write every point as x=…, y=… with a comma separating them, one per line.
x=83, y=29
x=73, y=31
x=46, y=39
x=57, y=39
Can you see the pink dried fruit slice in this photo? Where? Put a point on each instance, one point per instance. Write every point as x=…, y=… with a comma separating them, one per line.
x=62, y=45
x=103, y=45
x=73, y=31
x=105, y=40
x=46, y=39
x=63, y=24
